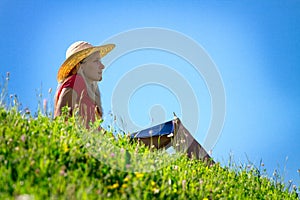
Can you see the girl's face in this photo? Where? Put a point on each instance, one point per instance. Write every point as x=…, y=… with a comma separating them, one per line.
x=92, y=67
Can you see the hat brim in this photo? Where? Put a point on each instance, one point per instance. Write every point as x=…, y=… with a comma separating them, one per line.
x=74, y=59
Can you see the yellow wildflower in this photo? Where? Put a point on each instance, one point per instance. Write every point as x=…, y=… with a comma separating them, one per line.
x=139, y=175
x=153, y=183
x=114, y=186
x=65, y=147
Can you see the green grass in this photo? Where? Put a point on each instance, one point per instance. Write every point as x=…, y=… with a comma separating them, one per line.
x=42, y=158
x=59, y=159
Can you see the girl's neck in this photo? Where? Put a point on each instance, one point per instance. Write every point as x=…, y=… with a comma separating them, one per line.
x=92, y=88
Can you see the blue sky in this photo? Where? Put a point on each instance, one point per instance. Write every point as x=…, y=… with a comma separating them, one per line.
x=254, y=45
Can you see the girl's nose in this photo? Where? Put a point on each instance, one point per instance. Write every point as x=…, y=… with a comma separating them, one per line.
x=101, y=66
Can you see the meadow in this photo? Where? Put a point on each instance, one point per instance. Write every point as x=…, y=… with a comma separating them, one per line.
x=46, y=158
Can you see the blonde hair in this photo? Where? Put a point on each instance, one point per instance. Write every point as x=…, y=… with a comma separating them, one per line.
x=92, y=89
x=74, y=70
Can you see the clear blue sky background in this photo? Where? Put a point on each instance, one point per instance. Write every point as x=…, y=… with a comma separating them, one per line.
x=255, y=45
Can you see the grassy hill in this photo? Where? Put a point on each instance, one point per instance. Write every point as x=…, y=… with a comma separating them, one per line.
x=42, y=158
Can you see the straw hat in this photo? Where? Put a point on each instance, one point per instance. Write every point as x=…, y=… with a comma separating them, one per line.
x=76, y=53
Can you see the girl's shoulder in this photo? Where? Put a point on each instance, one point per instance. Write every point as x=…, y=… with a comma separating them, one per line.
x=73, y=80
x=76, y=82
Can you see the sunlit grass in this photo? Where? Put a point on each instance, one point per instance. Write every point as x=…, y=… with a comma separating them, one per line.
x=42, y=158
x=49, y=158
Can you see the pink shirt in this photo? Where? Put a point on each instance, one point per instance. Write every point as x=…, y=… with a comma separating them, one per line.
x=88, y=107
